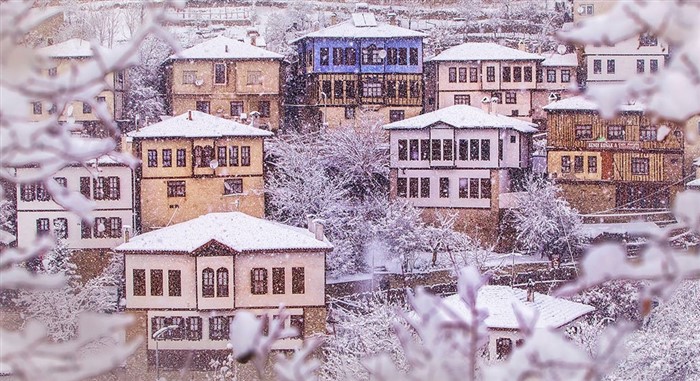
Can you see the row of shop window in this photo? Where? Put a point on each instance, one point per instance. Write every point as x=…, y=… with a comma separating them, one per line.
x=201, y=156
x=419, y=187
x=442, y=149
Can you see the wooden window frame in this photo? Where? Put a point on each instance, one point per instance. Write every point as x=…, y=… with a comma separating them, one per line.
x=278, y=280
x=298, y=280
x=233, y=186
x=222, y=282
x=208, y=282
x=167, y=157
x=138, y=282
x=156, y=286
x=258, y=281
x=174, y=283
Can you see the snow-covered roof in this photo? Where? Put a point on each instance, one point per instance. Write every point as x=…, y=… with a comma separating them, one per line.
x=696, y=161
x=236, y=230
x=556, y=59
x=499, y=301
x=630, y=228
x=197, y=124
x=73, y=48
x=693, y=183
x=484, y=51
x=225, y=48
x=362, y=25
x=579, y=103
x=463, y=116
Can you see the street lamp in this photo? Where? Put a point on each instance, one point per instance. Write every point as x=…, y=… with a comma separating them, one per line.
x=156, y=335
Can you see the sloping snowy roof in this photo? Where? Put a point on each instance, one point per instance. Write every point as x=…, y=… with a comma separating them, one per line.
x=697, y=161
x=632, y=228
x=361, y=26
x=73, y=48
x=200, y=125
x=499, y=300
x=583, y=104
x=484, y=51
x=556, y=59
x=225, y=48
x=236, y=230
x=694, y=183
x=463, y=116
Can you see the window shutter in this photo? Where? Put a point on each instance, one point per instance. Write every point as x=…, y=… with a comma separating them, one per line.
x=252, y=281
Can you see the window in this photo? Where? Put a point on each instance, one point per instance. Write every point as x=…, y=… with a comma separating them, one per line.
x=87, y=108
x=462, y=99
x=504, y=347
x=349, y=113
x=437, y=149
x=473, y=188
x=539, y=77
x=584, y=132
x=452, y=74
x=402, y=187
x=98, y=185
x=86, y=231
x=414, y=89
x=551, y=75
x=371, y=88
x=371, y=56
x=338, y=56
x=611, y=67
x=176, y=188
x=167, y=158
x=197, y=153
x=139, y=282
x=506, y=73
x=152, y=158
x=174, y=283
x=500, y=149
x=258, y=281
x=485, y=188
x=181, y=154
x=28, y=192
x=189, y=77
x=640, y=166
x=233, y=186
x=566, y=164
x=485, y=149
x=578, y=164
x=403, y=149
x=236, y=108
x=616, y=132
x=473, y=74
x=219, y=73
x=264, y=109
x=53, y=109
x=647, y=133
x=62, y=181
x=463, y=74
x=254, y=77
x=413, y=187
x=114, y=227
x=338, y=89
x=350, y=89
x=653, y=66
x=219, y=328
x=647, y=39
x=113, y=188
x=490, y=74
x=597, y=66
x=391, y=56
x=156, y=282
x=222, y=282
x=221, y=155
x=498, y=97
x=245, y=156
x=396, y=115
x=208, y=282
x=324, y=56
x=207, y=156
x=517, y=74
x=298, y=286
x=194, y=328
x=463, y=188
x=413, y=146
x=85, y=186
x=297, y=322
x=592, y=164
x=566, y=75
x=60, y=228
x=202, y=106
x=474, y=149
x=42, y=226
x=463, y=149
x=350, y=56
x=413, y=56
x=447, y=146
x=233, y=156
x=511, y=97
x=53, y=72
x=444, y=187
x=391, y=89
x=425, y=149
x=100, y=227
x=101, y=99
x=37, y=108
x=177, y=333
x=403, y=89
x=403, y=56
x=425, y=187
x=157, y=323
x=528, y=73
x=640, y=66
x=278, y=280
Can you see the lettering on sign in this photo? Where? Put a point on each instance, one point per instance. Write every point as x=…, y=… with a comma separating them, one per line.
x=614, y=145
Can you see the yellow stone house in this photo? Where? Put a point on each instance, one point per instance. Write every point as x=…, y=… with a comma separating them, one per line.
x=194, y=164
x=227, y=78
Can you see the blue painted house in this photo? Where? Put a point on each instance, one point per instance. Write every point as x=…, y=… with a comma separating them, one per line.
x=359, y=71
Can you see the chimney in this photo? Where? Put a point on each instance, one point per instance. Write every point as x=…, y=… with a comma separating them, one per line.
x=531, y=291
x=253, y=36
x=522, y=46
x=361, y=7
x=392, y=18
x=318, y=229
x=189, y=114
x=334, y=18
x=310, y=223
x=126, y=233
x=226, y=48
x=486, y=105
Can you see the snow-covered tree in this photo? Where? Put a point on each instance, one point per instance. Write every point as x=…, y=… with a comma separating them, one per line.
x=144, y=96
x=545, y=223
x=295, y=20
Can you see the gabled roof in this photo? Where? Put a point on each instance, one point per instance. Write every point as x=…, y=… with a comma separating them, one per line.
x=484, y=51
x=235, y=230
x=499, y=301
x=73, y=48
x=579, y=103
x=197, y=124
x=556, y=59
x=362, y=25
x=225, y=48
x=463, y=116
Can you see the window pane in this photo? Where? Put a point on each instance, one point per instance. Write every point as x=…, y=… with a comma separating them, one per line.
x=174, y=283
x=139, y=282
x=156, y=282
x=298, y=281
x=278, y=280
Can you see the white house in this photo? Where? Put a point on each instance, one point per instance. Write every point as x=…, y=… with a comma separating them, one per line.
x=105, y=181
x=462, y=159
x=198, y=273
x=556, y=79
x=502, y=322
